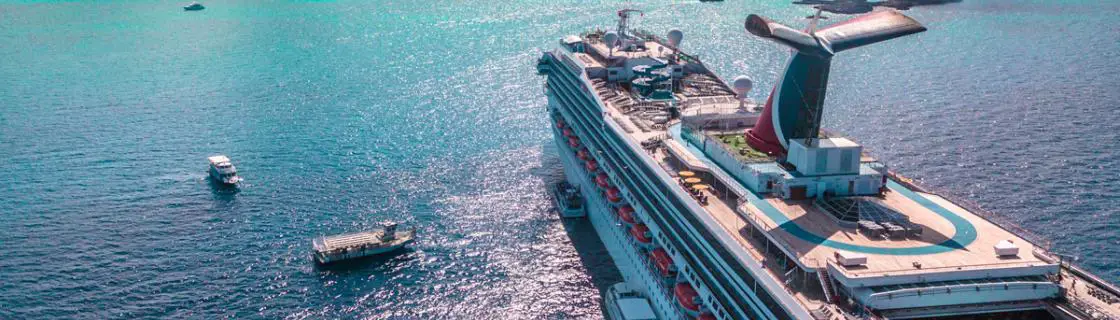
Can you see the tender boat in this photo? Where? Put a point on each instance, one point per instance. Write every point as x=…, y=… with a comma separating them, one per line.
x=569, y=200
x=380, y=240
x=194, y=6
x=223, y=171
x=625, y=303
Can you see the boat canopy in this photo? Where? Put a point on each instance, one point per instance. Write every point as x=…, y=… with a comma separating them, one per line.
x=686, y=296
x=641, y=232
x=602, y=180
x=218, y=159
x=627, y=215
x=663, y=262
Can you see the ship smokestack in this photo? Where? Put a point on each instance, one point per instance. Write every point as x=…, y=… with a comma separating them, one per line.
x=794, y=108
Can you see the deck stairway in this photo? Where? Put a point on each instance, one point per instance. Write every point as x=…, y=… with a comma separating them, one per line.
x=826, y=284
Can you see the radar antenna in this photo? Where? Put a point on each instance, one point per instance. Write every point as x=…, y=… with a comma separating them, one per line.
x=623, y=16
x=814, y=19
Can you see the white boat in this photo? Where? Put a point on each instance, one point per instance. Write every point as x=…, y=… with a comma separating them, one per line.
x=380, y=240
x=223, y=171
x=568, y=199
x=193, y=6
x=624, y=303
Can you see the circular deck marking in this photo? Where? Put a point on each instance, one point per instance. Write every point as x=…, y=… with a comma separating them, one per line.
x=965, y=232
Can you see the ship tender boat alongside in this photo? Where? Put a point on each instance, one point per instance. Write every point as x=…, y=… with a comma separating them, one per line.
x=223, y=171
x=713, y=207
x=386, y=238
x=569, y=201
x=624, y=303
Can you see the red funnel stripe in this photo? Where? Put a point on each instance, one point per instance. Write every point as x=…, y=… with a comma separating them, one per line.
x=762, y=136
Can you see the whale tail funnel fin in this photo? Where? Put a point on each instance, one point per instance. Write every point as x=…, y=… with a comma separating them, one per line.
x=794, y=108
x=854, y=33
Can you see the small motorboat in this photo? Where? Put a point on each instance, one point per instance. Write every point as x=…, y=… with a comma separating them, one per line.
x=194, y=6
x=568, y=199
x=223, y=171
x=383, y=239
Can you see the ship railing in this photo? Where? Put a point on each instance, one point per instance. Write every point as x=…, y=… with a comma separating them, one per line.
x=1088, y=308
x=761, y=224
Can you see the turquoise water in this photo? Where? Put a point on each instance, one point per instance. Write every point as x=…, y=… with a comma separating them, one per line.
x=340, y=114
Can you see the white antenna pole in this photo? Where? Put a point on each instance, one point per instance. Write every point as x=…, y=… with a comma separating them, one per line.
x=813, y=21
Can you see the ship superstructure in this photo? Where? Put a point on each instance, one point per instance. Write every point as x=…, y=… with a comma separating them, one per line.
x=714, y=207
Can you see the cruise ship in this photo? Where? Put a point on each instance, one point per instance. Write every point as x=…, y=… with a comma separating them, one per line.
x=715, y=207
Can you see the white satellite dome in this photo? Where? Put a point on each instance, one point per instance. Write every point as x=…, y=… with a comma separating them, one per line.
x=741, y=85
x=675, y=37
x=611, y=39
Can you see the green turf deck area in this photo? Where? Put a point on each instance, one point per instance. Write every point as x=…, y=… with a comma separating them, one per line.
x=737, y=144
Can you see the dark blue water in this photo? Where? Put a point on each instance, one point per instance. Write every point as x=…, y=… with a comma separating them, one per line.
x=341, y=114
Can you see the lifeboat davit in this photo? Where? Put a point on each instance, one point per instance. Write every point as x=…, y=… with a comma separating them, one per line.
x=573, y=142
x=686, y=297
x=613, y=194
x=602, y=180
x=582, y=154
x=641, y=233
x=591, y=165
x=663, y=262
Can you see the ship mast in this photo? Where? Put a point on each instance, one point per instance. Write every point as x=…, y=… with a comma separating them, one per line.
x=623, y=16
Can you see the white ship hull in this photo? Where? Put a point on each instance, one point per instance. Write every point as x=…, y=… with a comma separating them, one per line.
x=615, y=238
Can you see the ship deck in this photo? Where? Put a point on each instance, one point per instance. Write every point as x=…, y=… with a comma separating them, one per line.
x=952, y=239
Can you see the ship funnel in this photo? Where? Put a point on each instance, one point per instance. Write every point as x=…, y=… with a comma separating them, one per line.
x=794, y=108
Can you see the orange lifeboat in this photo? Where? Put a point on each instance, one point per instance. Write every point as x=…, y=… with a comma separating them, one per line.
x=560, y=124
x=706, y=316
x=591, y=165
x=573, y=142
x=663, y=262
x=613, y=195
x=686, y=297
x=641, y=233
x=582, y=154
x=627, y=214
x=568, y=133
x=602, y=180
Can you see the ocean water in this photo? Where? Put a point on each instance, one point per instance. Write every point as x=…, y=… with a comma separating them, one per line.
x=341, y=114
